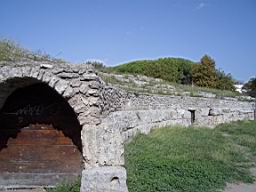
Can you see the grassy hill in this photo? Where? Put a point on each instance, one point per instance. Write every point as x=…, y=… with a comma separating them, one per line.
x=170, y=69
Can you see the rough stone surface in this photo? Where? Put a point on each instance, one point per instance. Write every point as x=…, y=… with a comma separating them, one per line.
x=107, y=179
x=134, y=113
x=109, y=116
x=82, y=88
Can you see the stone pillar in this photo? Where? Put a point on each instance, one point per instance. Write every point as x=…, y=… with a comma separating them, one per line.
x=103, y=156
x=106, y=178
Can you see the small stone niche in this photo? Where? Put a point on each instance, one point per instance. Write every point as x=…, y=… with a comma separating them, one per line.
x=193, y=115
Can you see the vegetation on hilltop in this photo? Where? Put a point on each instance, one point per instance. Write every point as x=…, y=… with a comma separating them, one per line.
x=10, y=51
x=178, y=70
x=170, y=69
x=249, y=88
x=195, y=159
x=205, y=74
x=175, y=70
x=225, y=81
x=138, y=84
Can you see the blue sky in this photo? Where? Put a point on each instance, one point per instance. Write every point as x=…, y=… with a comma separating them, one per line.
x=117, y=31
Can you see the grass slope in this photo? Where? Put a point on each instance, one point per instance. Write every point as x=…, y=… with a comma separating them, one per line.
x=149, y=87
x=11, y=51
x=190, y=160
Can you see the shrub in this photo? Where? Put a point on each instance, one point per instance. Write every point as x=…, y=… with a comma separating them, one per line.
x=170, y=69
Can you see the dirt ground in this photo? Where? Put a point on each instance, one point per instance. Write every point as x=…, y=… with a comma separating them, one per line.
x=242, y=187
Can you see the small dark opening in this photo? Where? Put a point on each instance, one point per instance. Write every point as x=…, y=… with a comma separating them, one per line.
x=115, y=180
x=193, y=115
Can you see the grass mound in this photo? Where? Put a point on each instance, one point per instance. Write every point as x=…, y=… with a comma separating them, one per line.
x=11, y=51
x=189, y=160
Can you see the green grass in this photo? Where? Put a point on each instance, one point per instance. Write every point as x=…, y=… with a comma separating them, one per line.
x=67, y=187
x=187, y=159
x=242, y=133
x=11, y=51
x=190, y=160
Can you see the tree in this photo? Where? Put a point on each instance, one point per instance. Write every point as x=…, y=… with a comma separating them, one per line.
x=204, y=74
x=225, y=81
x=185, y=73
x=249, y=88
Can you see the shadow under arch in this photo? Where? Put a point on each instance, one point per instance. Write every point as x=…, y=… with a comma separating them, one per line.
x=38, y=117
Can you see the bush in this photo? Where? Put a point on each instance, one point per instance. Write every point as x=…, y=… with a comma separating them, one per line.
x=249, y=88
x=225, y=81
x=170, y=69
x=178, y=70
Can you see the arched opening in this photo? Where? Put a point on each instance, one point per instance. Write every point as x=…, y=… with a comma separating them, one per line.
x=40, y=138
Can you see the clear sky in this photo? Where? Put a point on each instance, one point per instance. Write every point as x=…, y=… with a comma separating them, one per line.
x=117, y=31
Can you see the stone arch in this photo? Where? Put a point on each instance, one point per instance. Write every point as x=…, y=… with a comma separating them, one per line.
x=39, y=144
x=33, y=74
x=79, y=85
x=9, y=75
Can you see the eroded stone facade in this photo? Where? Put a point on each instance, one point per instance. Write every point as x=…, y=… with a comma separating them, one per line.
x=141, y=113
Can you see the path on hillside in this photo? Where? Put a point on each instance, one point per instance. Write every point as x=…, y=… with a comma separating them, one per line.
x=242, y=187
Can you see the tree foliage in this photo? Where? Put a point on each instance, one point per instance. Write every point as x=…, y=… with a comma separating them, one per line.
x=225, y=81
x=178, y=70
x=170, y=69
x=249, y=88
x=204, y=74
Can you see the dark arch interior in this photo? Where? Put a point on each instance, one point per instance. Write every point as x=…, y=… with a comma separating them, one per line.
x=39, y=103
x=39, y=118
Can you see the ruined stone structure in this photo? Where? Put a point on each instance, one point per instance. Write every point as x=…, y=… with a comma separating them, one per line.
x=103, y=118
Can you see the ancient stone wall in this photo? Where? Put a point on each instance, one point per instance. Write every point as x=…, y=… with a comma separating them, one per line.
x=140, y=113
